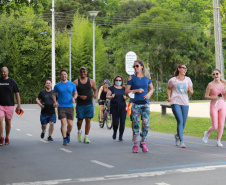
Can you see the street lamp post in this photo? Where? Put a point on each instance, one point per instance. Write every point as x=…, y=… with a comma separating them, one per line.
x=70, y=32
x=93, y=14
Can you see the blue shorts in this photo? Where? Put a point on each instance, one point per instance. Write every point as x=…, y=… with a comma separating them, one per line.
x=46, y=118
x=85, y=111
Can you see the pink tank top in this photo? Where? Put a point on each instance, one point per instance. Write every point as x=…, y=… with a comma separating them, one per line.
x=215, y=91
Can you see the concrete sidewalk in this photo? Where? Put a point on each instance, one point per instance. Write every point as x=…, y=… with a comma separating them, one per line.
x=196, y=109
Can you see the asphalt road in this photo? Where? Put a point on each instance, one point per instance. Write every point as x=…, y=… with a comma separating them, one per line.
x=34, y=161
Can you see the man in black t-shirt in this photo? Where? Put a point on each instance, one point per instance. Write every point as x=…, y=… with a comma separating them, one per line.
x=8, y=88
x=48, y=114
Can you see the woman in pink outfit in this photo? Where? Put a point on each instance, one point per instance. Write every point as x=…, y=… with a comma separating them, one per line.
x=215, y=92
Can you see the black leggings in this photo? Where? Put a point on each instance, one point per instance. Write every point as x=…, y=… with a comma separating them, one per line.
x=118, y=113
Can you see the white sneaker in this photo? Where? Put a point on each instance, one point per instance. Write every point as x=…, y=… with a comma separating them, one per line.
x=205, y=138
x=182, y=145
x=177, y=140
x=219, y=144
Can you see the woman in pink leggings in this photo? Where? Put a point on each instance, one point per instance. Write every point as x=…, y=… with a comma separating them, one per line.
x=215, y=92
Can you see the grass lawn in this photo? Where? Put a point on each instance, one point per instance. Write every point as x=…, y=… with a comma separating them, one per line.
x=167, y=124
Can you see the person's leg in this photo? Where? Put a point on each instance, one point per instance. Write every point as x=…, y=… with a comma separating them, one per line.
x=214, y=120
x=115, y=120
x=136, y=121
x=221, y=121
x=101, y=112
x=145, y=115
x=87, y=127
x=178, y=115
x=44, y=128
x=64, y=127
x=122, y=123
x=1, y=126
x=7, y=126
x=51, y=128
x=184, y=114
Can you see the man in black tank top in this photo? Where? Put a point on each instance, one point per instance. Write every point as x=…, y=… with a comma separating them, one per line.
x=84, y=107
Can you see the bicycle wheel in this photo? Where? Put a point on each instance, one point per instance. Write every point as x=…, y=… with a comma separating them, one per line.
x=104, y=118
x=109, y=121
x=101, y=124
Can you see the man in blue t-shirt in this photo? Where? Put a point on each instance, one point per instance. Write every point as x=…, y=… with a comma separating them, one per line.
x=67, y=94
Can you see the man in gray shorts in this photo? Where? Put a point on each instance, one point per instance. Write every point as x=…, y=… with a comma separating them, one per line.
x=67, y=94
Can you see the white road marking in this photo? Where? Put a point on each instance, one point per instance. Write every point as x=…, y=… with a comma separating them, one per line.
x=29, y=109
x=18, y=129
x=102, y=164
x=29, y=135
x=43, y=141
x=162, y=183
x=65, y=150
x=124, y=176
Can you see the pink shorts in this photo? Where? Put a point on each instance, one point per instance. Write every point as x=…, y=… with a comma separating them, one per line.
x=6, y=111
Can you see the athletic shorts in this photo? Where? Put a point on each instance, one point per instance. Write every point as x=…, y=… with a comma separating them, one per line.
x=46, y=118
x=101, y=102
x=85, y=111
x=6, y=111
x=66, y=112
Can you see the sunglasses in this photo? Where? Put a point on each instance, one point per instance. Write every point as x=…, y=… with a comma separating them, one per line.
x=82, y=71
x=136, y=66
x=118, y=80
x=215, y=74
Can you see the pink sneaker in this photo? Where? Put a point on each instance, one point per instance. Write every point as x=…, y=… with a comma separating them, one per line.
x=135, y=149
x=144, y=148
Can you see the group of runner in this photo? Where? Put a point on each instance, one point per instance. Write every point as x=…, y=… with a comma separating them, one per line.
x=139, y=88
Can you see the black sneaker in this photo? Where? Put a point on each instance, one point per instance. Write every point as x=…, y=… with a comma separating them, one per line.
x=50, y=138
x=42, y=135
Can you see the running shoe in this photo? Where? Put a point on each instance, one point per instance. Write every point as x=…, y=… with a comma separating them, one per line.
x=50, y=138
x=7, y=141
x=219, y=144
x=1, y=141
x=120, y=139
x=42, y=135
x=79, y=137
x=177, y=140
x=135, y=149
x=86, y=140
x=144, y=147
x=65, y=142
x=182, y=145
x=205, y=138
x=68, y=139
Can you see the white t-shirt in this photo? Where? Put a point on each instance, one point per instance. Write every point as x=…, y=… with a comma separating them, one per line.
x=179, y=90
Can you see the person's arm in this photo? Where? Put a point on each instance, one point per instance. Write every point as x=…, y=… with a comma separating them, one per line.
x=75, y=95
x=150, y=92
x=100, y=91
x=55, y=104
x=110, y=95
x=128, y=90
x=169, y=93
x=207, y=94
x=190, y=90
x=93, y=85
x=39, y=103
x=18, y=101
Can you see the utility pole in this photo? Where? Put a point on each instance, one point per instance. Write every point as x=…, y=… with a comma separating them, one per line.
x=218, y=37
x=53, y=47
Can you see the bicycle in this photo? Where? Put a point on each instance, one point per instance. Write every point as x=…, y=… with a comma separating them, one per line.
x=107, y=118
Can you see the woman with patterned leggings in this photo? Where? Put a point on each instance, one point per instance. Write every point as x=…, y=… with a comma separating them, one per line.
x=215, y=92
x=141, y=86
